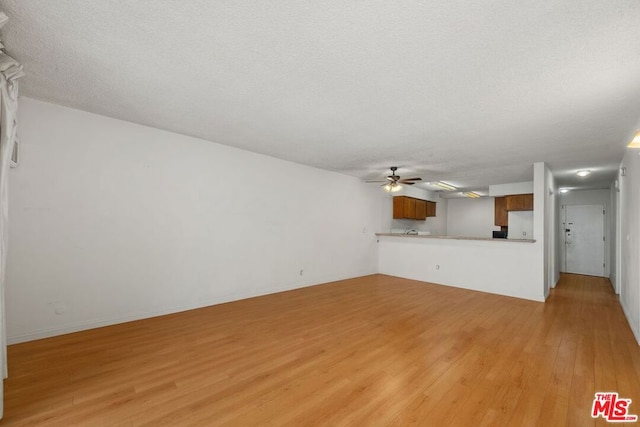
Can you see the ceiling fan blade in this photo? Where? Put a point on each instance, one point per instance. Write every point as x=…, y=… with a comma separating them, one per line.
x=408, y=183
x=411, y=179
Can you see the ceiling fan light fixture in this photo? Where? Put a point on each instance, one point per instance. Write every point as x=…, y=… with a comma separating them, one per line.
x=583, y=173
x=392, y=183
x=392, y=187
x=445, y=186
x=635, y=142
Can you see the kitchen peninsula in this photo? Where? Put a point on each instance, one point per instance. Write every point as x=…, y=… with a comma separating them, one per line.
x=428, y=236
x=498, y=266
x=455, y=247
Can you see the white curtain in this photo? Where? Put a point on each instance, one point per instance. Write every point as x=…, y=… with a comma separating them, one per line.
x=10, y=72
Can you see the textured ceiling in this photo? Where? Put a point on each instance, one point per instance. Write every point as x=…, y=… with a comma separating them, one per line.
x=467, y=92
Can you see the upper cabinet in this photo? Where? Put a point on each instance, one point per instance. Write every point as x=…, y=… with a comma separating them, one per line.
x=516, y=202
x=421, y=209
x=431, y=209
x=519, y=202
x=501, y=214
x=409, y=208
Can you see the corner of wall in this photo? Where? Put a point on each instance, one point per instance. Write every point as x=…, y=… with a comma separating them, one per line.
x=540, y=223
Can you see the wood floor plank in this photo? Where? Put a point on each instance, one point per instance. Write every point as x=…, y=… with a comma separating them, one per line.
x=375, y=350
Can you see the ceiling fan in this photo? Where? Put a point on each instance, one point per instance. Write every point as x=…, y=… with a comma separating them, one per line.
x=393, y=181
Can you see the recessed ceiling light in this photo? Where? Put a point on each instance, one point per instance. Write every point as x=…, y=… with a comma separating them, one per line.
x=564, y=190
x=583, y=173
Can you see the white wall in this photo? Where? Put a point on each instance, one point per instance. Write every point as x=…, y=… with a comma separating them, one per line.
x=520, y=225
x=551, y=236
x=588, y=197
x=630, y=239
x=541, y=201
x=112, y=221
x=417, y=192
x=498, y=266
x=511, y=188
x=614, y=237
x=471, y=217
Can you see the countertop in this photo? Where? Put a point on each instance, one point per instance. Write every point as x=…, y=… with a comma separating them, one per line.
x=423, y=236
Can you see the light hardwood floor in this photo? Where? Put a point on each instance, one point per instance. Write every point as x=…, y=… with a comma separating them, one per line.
x=376, y=350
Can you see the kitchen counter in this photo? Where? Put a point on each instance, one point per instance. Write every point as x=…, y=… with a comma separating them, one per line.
x=512, y=268
x=424, y=236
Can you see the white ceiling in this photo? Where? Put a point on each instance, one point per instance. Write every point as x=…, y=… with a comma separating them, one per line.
x=467, y=92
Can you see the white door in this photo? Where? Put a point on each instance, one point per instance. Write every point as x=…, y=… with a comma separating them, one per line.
x=584, y=239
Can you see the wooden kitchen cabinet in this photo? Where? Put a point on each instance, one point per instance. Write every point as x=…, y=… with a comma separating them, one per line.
x=501, y=215
x=431, y=209
x=409, y=208
x=519, y=202
x=398, y=207
x=421, y=210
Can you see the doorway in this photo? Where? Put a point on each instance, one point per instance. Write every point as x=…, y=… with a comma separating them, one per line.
x=583, y=228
